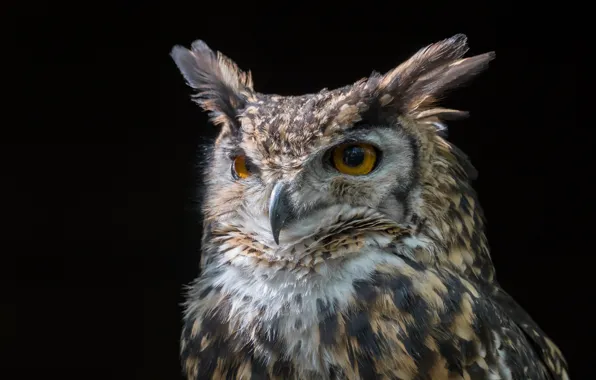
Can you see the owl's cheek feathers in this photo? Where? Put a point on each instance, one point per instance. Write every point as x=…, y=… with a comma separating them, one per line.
x=227, y=200
x=347, y=191
x=247, y=204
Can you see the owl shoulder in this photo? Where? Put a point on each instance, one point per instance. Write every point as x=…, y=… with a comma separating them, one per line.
x=434, y=323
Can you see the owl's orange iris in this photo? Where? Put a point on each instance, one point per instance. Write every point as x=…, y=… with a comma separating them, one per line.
x=240, y=167
x=354, y=159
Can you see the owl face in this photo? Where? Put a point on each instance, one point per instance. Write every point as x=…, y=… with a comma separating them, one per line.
x=276, y=182
x=283, y=167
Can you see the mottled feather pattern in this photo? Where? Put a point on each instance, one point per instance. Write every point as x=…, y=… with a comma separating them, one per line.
x=404, y=323
x=431, y=72
x=221, y=86
x=345, y=233
x=382, y=276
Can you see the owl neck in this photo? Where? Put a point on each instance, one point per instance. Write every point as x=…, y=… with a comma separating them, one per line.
x=452, y=217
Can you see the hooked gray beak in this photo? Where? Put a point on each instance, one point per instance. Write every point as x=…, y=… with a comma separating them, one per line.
x=280, y=209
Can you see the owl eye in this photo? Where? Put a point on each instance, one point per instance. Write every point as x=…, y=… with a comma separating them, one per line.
x=354, y=158
x=240, y=168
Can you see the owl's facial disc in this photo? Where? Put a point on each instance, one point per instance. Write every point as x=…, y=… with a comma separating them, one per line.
x=367, y=168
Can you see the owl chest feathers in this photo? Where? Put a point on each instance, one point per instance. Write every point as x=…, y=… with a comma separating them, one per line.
x=373, y=306
x=280, y=313
x=291, y=307
x=378, y=312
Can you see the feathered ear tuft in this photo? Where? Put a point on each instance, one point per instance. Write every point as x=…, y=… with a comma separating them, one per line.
x=222, y=88
x=420, y=81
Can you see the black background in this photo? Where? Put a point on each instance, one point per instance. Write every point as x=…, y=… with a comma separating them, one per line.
x=100, y=137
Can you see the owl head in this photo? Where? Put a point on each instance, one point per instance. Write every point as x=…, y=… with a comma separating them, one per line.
x=366, y=158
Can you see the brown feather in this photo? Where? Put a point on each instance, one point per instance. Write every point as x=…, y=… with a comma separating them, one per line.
x=222, y=88
x=442, y=113
x=425, y=60
x=426, y=90
x=418, y=83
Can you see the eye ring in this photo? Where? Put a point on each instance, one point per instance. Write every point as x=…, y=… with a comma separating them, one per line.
x=354, y=159
x=240, y=168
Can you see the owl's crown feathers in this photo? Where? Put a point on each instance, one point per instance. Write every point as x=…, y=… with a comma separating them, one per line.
x=411, y=88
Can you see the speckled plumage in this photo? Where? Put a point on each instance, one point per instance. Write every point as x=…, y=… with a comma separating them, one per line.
x=381, y=276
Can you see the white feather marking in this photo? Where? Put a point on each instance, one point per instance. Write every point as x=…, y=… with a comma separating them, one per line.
x=297, y=324
x=504, y=371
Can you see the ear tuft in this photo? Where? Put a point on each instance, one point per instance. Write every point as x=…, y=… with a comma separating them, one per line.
x=420, y=81
x=222, y=88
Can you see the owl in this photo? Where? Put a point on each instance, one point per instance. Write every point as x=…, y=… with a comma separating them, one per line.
x=342, y=238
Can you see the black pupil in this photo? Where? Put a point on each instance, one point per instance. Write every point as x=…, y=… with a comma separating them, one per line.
x=353, y=155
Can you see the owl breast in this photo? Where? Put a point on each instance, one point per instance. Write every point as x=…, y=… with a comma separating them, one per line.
x=286, y=309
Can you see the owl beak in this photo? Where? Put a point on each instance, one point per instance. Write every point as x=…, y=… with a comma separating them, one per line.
x=280, y=209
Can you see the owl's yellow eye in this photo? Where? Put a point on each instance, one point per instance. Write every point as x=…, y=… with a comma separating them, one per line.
x=354, y=158
x=239, y=169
